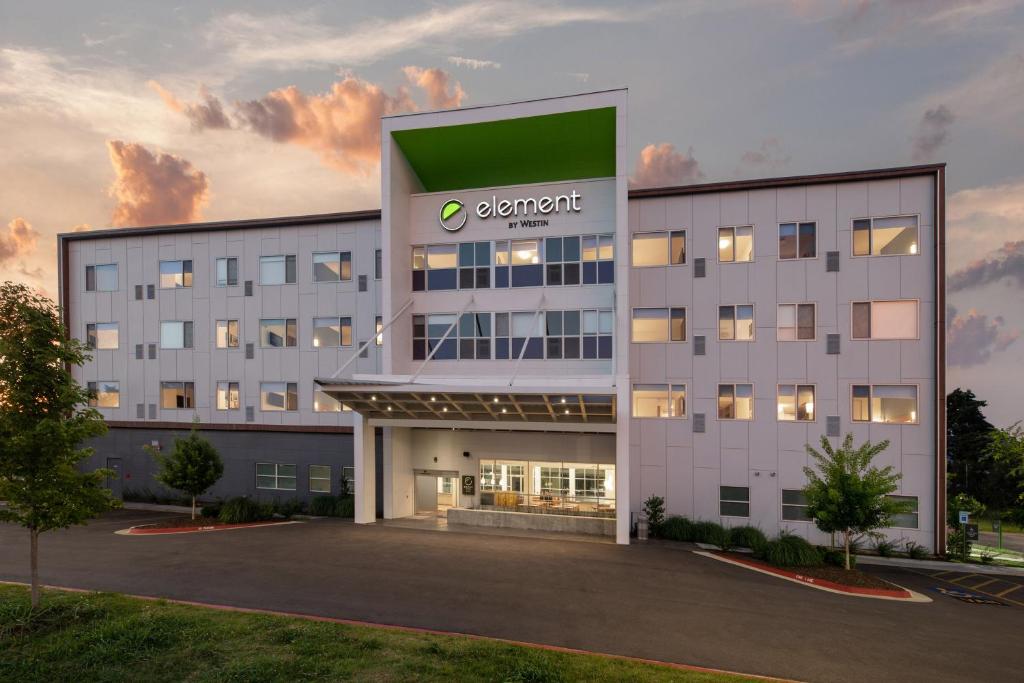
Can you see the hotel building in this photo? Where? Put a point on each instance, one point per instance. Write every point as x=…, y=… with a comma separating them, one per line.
x=516, y=339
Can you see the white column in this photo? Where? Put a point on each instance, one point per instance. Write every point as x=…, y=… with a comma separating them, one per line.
x=622, y=463
x=365, y=467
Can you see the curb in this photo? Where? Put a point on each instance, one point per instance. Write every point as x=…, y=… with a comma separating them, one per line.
x=141, y=529
x=900, y=595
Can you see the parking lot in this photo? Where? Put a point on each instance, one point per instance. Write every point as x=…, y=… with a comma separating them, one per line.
x=656, y=601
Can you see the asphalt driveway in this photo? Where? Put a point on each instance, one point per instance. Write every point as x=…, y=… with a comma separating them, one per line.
x=657, y=601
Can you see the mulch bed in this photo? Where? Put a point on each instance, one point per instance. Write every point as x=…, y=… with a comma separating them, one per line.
x=189, y=523
x=853, y=578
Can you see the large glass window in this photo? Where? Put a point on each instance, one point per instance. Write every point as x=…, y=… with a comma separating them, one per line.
x=886, y=403
x=278, y=396
x=597, y=334
x=893, y=236
x=659, y=248
x=227, y=271
x=796, y=402
x=475, y=336
x=598, y=259
x=475, y=265
x=908, y=519
x=332, y=266
x=884, y=320
x=101, y=335
x=277, y=270
x=319, y=478
x=330, y=332
x=435, y=267
x=562, y=334
x=794, y=506
x=174, y=274
x=227, y=334
x=736, y=244
x=275, y=476
x=734, y=501
x=659, y=324
x=104, y=394
x=428, y=333
x=659, y=400
x=278, y=332
x=526, y=257
x=175, y=395
x=736, y=323
x=101, y=278
x=325, y=403
x=176, y=334
x=227, y=396
x=562, y=260
x=735, y=401
x=795, y=322
x=547, y=487
x=798, y=240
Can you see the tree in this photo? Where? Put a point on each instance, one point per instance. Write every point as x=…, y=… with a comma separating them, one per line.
x=192, y=467
x=44, y=417
x=968, y=437
x=1008, y=453
x=847, y=494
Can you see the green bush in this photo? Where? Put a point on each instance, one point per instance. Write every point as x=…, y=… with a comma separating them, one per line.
x=885, y=547
x=210, y=510
x=333, y=506
x=956, y=547
x=708, y=532
x=836, y=558
x=289, y=508
x=676, y=528
x=346, y=506
x=747, y=537
x=790, y=551
x=654, y=509
x=916, y=551
x=241, y=510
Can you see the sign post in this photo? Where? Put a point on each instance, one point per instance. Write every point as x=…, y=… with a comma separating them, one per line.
x=964, y=516
x=997, y=526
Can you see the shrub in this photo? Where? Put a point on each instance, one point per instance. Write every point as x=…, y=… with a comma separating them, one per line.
x=836, y=558
x=211, y=510
x=346, y=506
x=916, y=551
x=720, y=536
x=654, y=509
x=241, y=510
x=323, y=506
x=747, y=537
x=791, y=551
x=956, y=546
x=289, y=507
x=708, y=532
x=885, y=547
x=677, y=528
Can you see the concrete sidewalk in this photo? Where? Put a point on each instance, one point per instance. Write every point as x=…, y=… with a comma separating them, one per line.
x=939, y=565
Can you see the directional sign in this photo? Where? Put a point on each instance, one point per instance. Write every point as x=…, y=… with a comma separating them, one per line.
x=972, y=532
x=964, y=516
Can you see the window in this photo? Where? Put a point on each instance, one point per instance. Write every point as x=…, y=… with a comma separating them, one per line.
x=271, y=475
x=562, y=334
x=475, y=336
x=378, y=264
x=330, y=332
x=796, y=402
x=885, y=403
x=795, y=322
x=277, y=270
x=884, y=320
x=276, y=396
x=325, y=403
x=227, y=334
x=174, y=395
x=893, y=236
x=334, y=266
x=736, y=244
x=378, y=328
x=227, y=272
x=278, y=332
x=434, y=267
x=475, y=265
x=175, y=274
x=659, y=248
x=798, y=240
x=598, y=259
x=736, y=323
x=104, y=394
x=735, y=401
x=734, y=501
x=659, y=324
x=101, y=335
x=543, y=486
x=659, y=400
x=908, y=519
x=348, y=477
x=101, y=278
x=502, y=476
x=227, y=396
x=428, y=333
x=562, y=265
x=319, y=478
x=794, y=506
x=527, y=263
x=597, y=334
x=176, y=334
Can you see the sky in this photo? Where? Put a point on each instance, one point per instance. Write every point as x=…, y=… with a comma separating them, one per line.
x=117, y=114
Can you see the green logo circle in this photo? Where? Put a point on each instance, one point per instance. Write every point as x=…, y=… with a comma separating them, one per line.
x=452, y=215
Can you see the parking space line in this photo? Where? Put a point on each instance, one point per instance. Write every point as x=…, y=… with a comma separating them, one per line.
x=953, y=582
x=1008, y=591
x=938, y=574
x=984, y=583
x=961, y=578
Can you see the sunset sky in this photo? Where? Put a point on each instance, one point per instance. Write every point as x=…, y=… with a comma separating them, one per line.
x=116, y=114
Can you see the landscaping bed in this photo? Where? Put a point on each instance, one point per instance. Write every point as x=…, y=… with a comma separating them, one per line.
x=844, y=577
x=183, y=524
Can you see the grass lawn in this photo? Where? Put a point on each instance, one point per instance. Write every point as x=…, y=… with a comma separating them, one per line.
x=109, y=637
x=985, y=524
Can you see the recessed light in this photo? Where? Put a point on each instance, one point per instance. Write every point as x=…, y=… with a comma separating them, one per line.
x=495, y=399
x=563, y=399
x=445, y=409
x=432, y=398
x=373, y=398
x=504, y=410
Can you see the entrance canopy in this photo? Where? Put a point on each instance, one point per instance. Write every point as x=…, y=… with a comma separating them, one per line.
x=578, y=405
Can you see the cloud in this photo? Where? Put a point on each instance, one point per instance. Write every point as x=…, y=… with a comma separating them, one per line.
x=442, y=92
x=1005, y=262
x=474, y=64
x=20, y=241
x=981, y=217
x=661, y=165
x=932, y=132
x=992, y=96
x=152, y=189
x=206, y=114
x=971, y=339
x=578, y=76
x=769, y=156
x=81, y=227
x=293, y=40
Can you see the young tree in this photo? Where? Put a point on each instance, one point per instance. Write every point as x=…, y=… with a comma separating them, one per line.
x=846, y=494
x=44, y=417
x=1008, y=453
x=192, y=467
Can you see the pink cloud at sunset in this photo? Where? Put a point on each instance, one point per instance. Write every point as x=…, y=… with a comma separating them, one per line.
x=661, y=165
x=154, y=188
x=441, y=90
x=19, y=241
x=971, y=339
